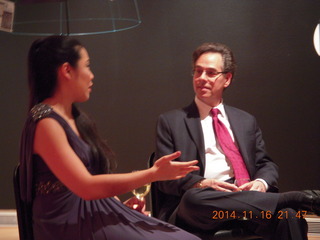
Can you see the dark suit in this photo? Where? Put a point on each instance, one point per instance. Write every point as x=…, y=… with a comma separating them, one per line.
x=180, y=130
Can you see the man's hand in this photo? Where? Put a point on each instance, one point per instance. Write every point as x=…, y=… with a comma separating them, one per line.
x=219, y=185
x=255, y=185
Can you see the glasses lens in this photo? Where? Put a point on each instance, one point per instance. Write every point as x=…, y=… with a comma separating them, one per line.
x=209, y=73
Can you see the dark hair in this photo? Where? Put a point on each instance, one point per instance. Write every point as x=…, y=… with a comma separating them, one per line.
x=100, y=149
x=229, y=63
x=44, y=58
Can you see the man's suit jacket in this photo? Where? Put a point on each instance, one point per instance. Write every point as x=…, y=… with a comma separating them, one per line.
x=180, y=130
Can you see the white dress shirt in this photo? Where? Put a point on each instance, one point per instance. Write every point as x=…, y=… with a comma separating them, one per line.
x=218, y=165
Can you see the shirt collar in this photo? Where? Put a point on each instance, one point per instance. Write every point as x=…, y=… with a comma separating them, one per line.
x=204, y=109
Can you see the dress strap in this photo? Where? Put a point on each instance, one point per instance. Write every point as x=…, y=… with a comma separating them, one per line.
x=40, y=111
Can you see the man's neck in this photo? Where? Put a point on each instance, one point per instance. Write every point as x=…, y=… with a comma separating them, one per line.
x=204, y=108
x=212, y=103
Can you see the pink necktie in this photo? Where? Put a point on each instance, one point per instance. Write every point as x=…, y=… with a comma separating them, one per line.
x=230, y=150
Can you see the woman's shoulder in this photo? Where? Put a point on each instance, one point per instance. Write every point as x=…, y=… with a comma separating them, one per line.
x=40, y=111
x=49, y=130
x=44, y=117
x=45, y=111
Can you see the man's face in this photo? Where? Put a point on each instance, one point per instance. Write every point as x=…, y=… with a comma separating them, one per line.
x=208, y=81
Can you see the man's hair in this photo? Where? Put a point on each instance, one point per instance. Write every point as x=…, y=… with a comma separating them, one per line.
x=229, y=64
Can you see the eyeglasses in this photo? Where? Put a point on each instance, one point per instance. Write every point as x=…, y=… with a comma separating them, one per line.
x=209, y=73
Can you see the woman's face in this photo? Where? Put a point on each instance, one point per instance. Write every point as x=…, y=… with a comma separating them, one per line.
x=82, y=77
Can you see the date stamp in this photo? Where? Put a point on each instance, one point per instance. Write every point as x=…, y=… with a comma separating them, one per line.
x=248, y=215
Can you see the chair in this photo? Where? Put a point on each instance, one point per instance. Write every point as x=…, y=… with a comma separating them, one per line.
x=24, y=210
x=237, y=233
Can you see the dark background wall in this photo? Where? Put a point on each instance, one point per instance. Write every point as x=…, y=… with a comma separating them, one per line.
x=142, y=72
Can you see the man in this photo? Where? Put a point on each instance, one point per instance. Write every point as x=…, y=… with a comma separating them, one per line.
x=218, y=194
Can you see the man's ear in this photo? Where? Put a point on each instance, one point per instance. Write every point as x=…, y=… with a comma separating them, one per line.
x=228, y=79
x=65, y=70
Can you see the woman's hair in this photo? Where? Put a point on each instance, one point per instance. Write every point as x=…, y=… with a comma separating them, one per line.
x=44, y=58
x=100, y=149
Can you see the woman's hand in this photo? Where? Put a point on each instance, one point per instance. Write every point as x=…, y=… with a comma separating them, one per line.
x=137, y=204
x=166, y=169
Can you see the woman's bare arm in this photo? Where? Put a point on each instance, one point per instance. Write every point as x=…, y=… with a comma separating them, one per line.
x=52, y=145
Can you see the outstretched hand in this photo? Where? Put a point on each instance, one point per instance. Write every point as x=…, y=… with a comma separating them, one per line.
x=166, y=169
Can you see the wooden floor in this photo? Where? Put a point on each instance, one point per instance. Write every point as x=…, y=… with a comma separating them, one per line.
x=11, y=233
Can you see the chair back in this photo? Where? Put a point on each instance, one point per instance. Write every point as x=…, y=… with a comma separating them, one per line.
x=24, y=210
x=155, y=196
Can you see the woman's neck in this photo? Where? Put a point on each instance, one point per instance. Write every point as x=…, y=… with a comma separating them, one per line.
x=62, y=108
x=65, y=111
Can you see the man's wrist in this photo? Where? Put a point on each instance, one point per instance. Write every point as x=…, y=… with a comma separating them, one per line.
x=198, y=184
x=264, y=182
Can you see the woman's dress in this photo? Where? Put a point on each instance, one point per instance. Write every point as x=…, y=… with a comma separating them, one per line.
x=59, y=214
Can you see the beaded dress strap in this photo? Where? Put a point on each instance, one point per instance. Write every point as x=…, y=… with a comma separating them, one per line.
x=40, y=111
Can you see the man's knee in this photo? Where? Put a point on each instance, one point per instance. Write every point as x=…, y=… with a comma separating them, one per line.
x=191, y=200
x=199, y=202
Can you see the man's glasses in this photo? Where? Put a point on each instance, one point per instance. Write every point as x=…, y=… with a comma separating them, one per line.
x=209, y=73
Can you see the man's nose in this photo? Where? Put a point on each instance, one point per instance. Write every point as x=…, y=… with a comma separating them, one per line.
x=204, y=75
x=201, y=81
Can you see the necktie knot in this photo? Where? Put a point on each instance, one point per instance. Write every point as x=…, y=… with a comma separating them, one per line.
x=215, y=112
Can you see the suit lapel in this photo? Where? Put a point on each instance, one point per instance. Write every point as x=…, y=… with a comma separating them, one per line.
x=239, y=135
x=193, y=124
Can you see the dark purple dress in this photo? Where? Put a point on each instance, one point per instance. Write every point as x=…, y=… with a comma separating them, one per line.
x=59, y=214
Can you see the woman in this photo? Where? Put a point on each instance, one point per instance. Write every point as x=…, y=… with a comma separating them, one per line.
x=66, y=167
